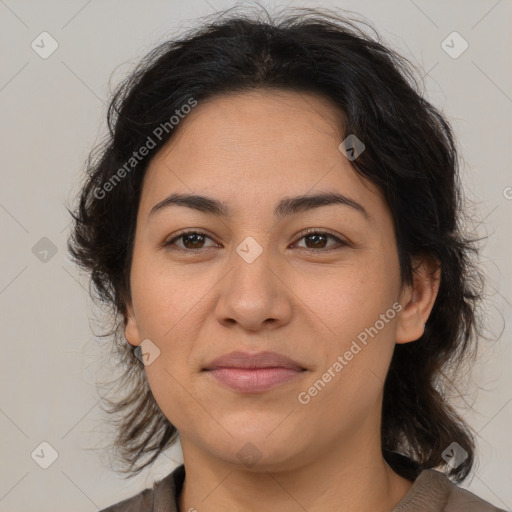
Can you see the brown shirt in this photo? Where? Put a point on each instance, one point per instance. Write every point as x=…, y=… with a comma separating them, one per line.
x=432, y=491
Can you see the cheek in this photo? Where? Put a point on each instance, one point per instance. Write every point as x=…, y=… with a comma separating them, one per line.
x=170, y=390
x=166, y=297
x=352, y=296
x=354, y=309
x=169, y=311
x=357, y=347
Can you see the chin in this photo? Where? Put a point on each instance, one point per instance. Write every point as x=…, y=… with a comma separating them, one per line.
x=258, y=452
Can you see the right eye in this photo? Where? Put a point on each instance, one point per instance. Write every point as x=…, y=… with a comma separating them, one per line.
x=191, y=241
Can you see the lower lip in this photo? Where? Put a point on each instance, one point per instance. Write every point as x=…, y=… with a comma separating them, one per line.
x=254, y=380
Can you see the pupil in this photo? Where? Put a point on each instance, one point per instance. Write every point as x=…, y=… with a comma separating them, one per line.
x=316, y=241
x=196, y=238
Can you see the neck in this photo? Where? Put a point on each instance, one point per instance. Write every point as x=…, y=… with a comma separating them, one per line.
x=351, y=479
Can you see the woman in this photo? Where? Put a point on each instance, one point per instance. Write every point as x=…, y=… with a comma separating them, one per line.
x=274, y=220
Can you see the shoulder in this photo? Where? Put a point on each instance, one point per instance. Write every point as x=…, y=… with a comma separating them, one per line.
x=141, y=502
x=162, y=497
x=433, y=491
x=461, y=499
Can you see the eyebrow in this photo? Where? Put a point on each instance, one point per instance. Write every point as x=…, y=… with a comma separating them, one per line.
x=286, y=206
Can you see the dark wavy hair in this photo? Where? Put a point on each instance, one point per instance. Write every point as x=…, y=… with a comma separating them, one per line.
x=411, y=155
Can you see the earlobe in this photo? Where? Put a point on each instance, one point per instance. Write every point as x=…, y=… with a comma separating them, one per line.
x=418, y=300
x=131, y=330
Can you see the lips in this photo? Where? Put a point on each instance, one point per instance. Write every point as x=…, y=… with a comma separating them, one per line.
x=251, y=373
x=254, y=360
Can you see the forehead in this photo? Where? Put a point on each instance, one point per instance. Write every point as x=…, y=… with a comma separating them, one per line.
x=263, y=123
x=254, y=147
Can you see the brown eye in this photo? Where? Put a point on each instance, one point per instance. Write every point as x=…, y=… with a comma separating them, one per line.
x=318, y=240
x=191, y=240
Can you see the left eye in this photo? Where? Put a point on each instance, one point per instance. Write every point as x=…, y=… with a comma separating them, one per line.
x=318, y=240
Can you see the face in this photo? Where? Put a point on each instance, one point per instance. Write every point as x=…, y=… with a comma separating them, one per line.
x=316, y=282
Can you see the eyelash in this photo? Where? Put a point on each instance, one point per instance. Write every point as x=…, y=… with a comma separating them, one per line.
x=308, y=232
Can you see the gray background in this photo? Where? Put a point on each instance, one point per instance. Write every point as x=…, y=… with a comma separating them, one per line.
x=53, y=111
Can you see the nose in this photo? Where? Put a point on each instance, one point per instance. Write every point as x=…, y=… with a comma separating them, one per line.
x=254, y=295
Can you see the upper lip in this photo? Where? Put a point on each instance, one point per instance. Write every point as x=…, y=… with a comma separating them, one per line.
x=253, y=360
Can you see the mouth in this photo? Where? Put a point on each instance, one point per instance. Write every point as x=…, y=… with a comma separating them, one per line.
x=252, y=373
x=254, y=380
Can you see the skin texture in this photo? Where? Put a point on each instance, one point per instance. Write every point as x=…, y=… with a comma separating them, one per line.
x=250, y=150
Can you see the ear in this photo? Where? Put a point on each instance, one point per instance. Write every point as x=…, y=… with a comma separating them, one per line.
x=418, y=299
x=131, y=330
